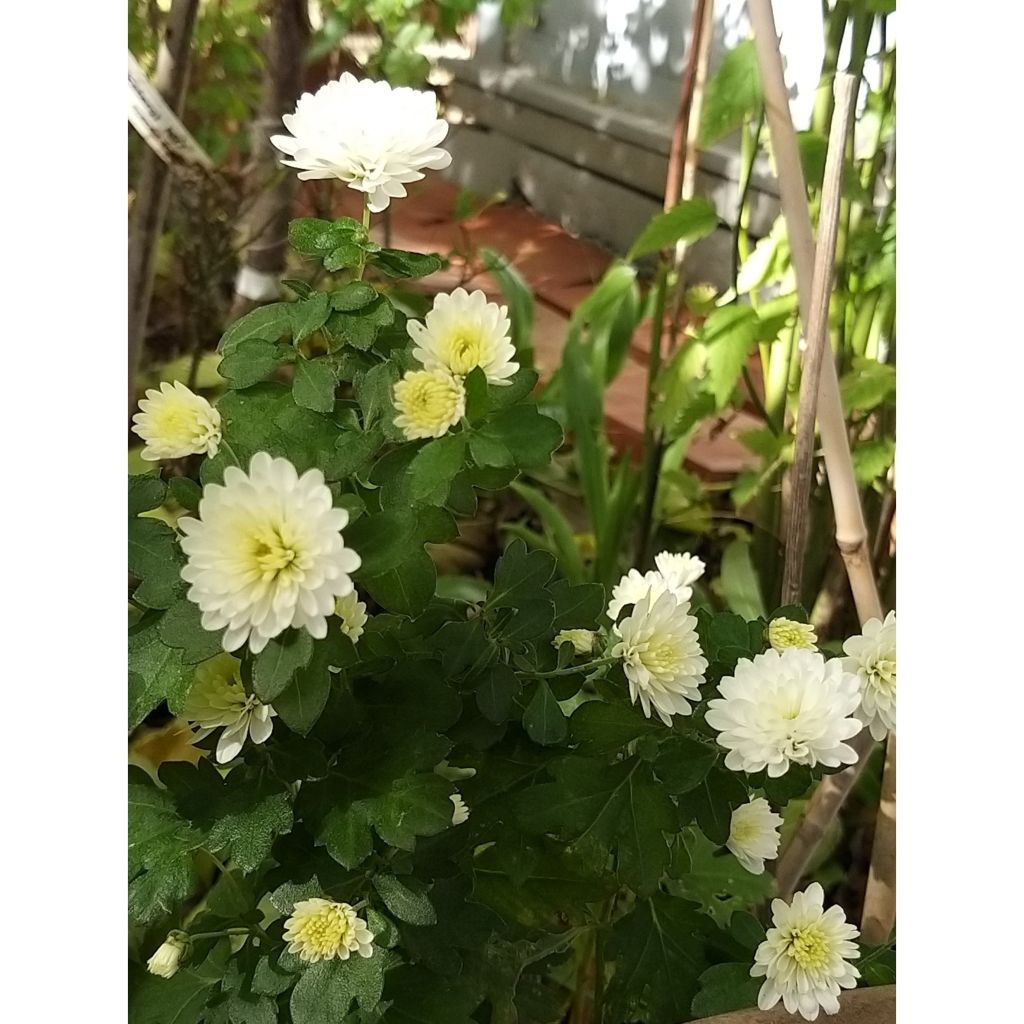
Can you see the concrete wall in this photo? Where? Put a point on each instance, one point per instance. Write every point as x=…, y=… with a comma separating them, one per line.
x=575, y=114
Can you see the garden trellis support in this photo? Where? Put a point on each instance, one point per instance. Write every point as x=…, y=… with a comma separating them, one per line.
x=851, y=532
x=153, y=192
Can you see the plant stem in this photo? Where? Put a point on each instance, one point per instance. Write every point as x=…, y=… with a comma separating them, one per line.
x=228, y=931
x=574, y=670
x=366, y=224
x=817, y=343
x=652, y=435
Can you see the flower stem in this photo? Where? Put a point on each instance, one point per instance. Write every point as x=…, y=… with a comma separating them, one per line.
x=228, y=931
x=573, y=670
x=366, y=224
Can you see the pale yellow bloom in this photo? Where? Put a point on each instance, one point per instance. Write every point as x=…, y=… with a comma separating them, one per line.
x=175, y=422
x=267, y=553
x=429, y=403
x=352, y=613
x=783, y=633
x=805, y=956
x=218, y=700
x=464, y=331
x=582, y=640
x=321, y=929
x=461, y=812
x=164, y=963
x=754, y=834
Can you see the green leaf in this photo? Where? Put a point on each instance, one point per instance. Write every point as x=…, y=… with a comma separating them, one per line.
x=543, y=718
x=868, y=385
x=687, y=221
x=405, y=900
x=346, y=834
x=577, y=606
x=724, y=988
x=309, y=315
x=495, y=694
x=561, y=533
x=599, y=728
x=348, y=254
x=733, y=93
x=361, y=327
x=405, y=589
x=239, y=814
x=314, y=384
x=712, y=801
x=872, y=459
x=529, y=436
x=718, y=881
x=730, y=334
x=418, y=996
x=352, y=296
x=683, y=764
x=154, y=556
x=435, y=466
x=417, y=805
x=156, y=672
x=396, y=263
x=267, y=323
x=520, y=575
x=178, y=1000
x=353, y=451
x=253, y=360
x=279, y=661
x=300, y=704
x=326, y=990
x=315, y=237
x=181, y=626
x=160, y=843
x=740, y=585
x=187, y=493
x=520, y=300
x=658, y=961
x=373, y=393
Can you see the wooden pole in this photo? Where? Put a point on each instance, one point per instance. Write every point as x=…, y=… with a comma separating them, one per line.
x=266, y=221
x=851, y=532
x=152, y=194
x=817, y=338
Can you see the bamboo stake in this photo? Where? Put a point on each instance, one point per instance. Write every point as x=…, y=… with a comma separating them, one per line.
x=851, y=532
x=266, y=223
x=153, y=192
x=817, y=336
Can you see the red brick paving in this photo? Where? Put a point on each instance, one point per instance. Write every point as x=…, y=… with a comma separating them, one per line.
x=561, y=270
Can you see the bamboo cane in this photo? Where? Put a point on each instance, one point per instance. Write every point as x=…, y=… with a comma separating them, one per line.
x=153, y=192
x=851, y=531
x=817, y=336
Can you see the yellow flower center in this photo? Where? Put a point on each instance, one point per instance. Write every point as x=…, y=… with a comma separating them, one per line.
x=463, y=350
x=176, y=421
x=884, y=675
x=428, y=400
x=809, y=948
x=325, y=931
x=661, y=655
x=273, y=551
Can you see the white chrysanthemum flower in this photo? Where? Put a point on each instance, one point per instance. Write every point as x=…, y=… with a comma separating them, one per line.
x=218, y=700
x=754, y=834
x=429, y=403
x=266, y=553
x=679, y=569
x=661, y=656
x=463, y=331
x=783, y=633
x=175, y=422
x=582, y=640
x=674, y=575
x=322, y=929
x=374, y=138
x=164, y=963
x=804, y=957
x=788, y=708
x=872, y=659
x=352, y=613
x=460, y=813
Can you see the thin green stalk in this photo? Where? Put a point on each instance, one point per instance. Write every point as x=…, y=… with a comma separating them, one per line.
x=652, y=436
x=227, y=931
x=749, y=141
x=574, y=670
x=366, y=224
x=835, y=29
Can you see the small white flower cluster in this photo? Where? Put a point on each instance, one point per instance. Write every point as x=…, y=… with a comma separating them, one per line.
x=657, y=641
x=461, y=332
